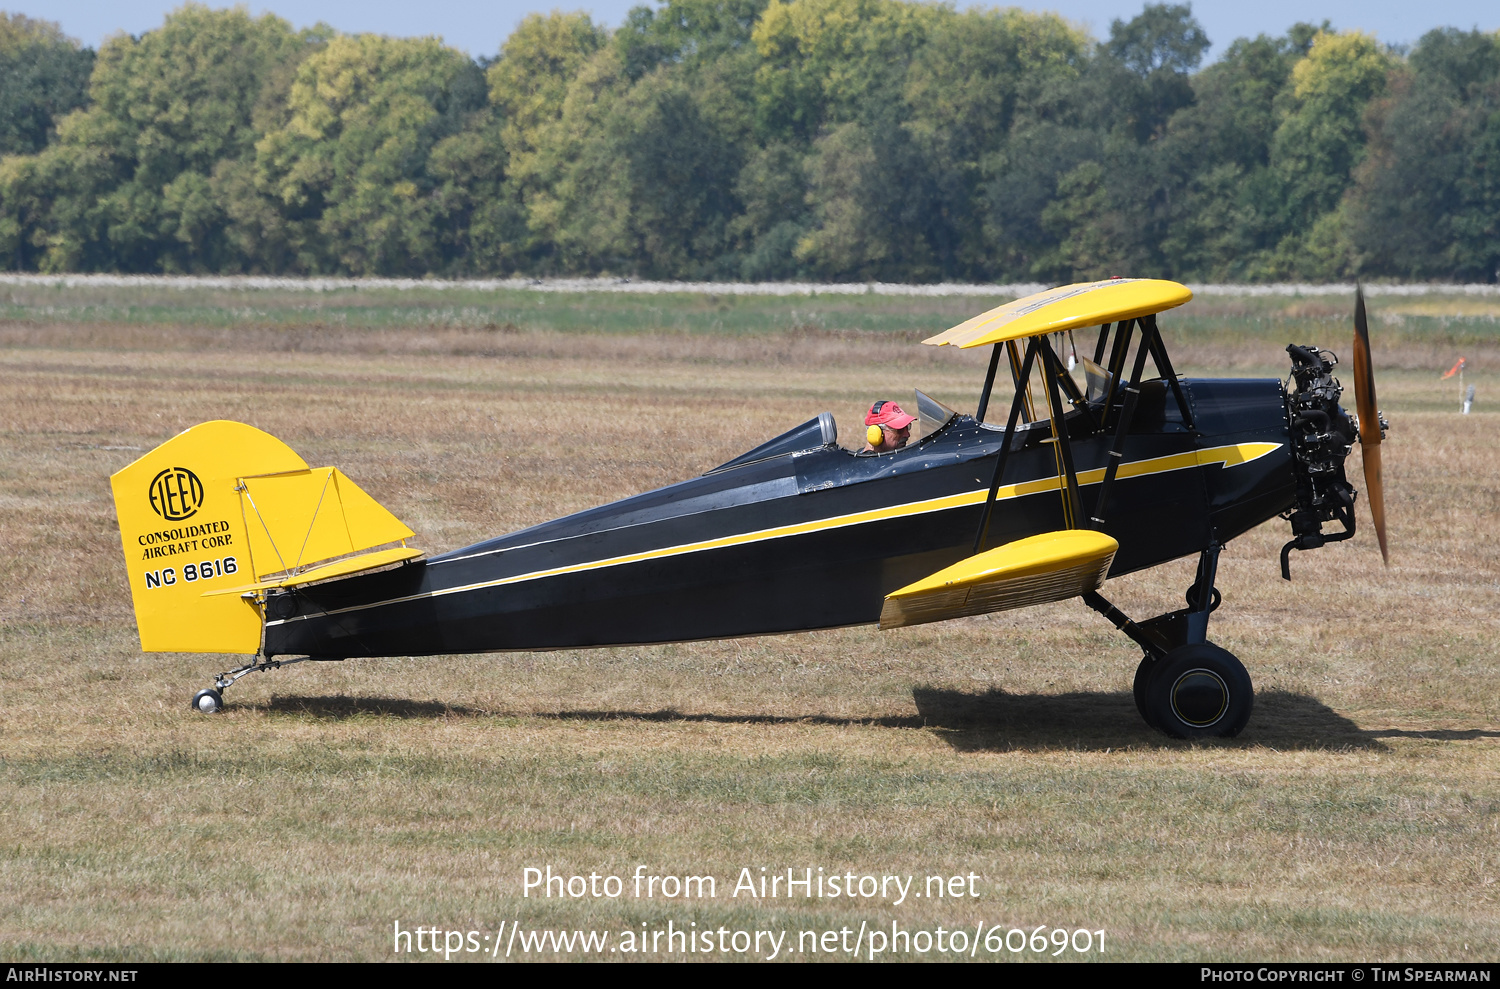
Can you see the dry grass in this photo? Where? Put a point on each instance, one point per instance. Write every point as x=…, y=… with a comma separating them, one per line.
x=1357, y=817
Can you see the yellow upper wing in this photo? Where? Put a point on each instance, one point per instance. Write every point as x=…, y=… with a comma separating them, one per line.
x=1066, y=308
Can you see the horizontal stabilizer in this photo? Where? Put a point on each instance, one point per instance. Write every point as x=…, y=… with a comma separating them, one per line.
x=302, y=517
x=1053, y=566
x=339, y=568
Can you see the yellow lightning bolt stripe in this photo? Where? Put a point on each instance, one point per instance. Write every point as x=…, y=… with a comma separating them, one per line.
x=1230, y=456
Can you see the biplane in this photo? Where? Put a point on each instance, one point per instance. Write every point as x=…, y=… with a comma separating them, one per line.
x=235, y=545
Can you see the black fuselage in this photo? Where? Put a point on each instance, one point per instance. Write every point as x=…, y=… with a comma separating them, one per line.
x=808, y=539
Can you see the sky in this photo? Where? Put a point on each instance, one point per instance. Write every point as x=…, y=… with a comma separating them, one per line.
x=480, y=28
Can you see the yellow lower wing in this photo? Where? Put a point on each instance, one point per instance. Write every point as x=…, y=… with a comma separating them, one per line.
x=1053, y=566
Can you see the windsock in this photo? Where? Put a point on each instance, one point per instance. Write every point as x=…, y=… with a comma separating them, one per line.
x=1455, y=368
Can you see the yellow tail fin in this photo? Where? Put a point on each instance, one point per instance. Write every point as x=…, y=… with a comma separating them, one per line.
x=218, y=509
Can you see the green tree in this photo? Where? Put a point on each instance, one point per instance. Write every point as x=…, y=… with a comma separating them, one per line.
x=638, y=178
x=529, y=86
x=537, y=64
x=129, y=179
x=1215, y=160
x=1316, y=148
x=706, y=45
x=1161, y=45
x=1020, y=182
x=43, y=75
x=1078, y=189
x=365, y=113
x=1162, y=37
x=480, y=227
x=978, y=73
x=27, y=187
x=694, y=32
x=833, y=61
x=849, y=238
x=1427, y=198
x=772, y=191
x=1094, y=239
x=571, y=191
x=680, y=173
x=888, y=139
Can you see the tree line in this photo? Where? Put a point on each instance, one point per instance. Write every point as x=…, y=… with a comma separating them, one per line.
x=754, y=139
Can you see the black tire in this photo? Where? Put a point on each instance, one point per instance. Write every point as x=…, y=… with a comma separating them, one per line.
x=1141, y=686
x=1199, y=691
x=208, y=701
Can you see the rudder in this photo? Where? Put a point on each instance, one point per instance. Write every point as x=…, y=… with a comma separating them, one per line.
x=183, y=531
x=222, y=511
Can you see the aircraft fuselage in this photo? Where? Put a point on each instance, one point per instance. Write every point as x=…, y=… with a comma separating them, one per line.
x=809, y=539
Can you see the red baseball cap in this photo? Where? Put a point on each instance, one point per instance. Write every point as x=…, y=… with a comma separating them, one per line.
x=884, y=413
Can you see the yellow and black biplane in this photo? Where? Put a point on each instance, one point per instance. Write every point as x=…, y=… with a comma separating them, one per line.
x=234, y=545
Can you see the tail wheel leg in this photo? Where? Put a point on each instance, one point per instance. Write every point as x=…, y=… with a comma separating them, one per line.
x=211, y=699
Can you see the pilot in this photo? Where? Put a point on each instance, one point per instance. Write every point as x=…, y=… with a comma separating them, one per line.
x=887, y=428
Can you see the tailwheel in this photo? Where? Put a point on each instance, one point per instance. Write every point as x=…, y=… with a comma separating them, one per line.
x=208, y=701
x=1198, y=691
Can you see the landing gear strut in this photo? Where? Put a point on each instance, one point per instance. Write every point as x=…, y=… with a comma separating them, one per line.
x=211, y=700
x=1186, y=686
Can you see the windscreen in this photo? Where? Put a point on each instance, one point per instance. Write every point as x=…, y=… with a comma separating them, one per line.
x=1098, y=381
x=932, y=415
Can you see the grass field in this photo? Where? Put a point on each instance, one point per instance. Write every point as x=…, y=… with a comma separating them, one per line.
x=1358, y=817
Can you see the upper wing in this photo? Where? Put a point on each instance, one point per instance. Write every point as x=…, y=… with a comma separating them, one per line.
x=1067, y=307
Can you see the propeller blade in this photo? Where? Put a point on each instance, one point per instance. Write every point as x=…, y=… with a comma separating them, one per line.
x=1369, y=420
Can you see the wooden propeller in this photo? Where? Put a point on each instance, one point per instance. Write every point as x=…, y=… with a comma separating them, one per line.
x=1369, y=420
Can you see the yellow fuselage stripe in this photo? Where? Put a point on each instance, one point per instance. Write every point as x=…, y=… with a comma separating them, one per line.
x=1230, y=456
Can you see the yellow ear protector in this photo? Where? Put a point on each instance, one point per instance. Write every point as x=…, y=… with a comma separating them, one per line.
x=874, y=435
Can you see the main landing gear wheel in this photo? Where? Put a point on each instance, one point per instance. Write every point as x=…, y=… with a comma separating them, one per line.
x=209, y=701
x=1142, y=682
x=1199, y=691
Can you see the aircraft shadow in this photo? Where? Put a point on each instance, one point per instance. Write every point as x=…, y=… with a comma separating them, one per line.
x=734, y=719
x=339, y=707
x=992, y=720
x=996, y=720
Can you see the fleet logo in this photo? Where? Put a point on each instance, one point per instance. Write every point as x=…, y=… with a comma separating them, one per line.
x=176, y=494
